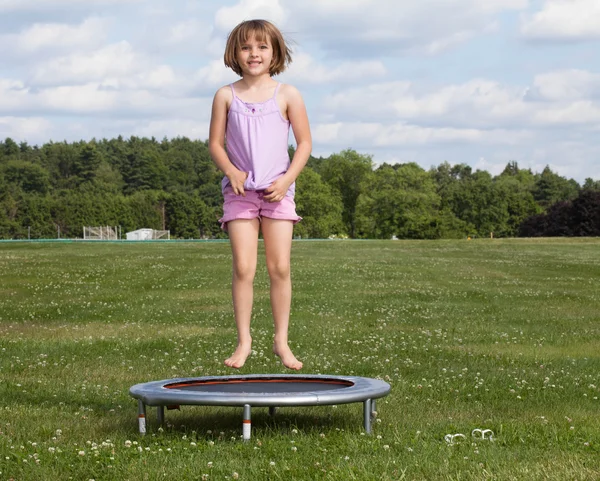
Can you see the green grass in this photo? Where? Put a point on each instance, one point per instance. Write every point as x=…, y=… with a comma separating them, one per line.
x=501, y=335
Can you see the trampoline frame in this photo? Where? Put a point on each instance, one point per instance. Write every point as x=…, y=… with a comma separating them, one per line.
x=360, y=389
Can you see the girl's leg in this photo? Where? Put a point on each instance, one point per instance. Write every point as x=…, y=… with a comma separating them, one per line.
x=277, y=235
x=243, y=235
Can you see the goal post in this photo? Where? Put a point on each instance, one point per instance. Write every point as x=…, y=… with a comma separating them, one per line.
x=103, y=232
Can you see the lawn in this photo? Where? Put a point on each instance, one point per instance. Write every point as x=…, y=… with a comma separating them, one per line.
x=500, y=335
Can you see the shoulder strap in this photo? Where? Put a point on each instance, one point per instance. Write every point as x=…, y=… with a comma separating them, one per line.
x=277, y=89
x=233, y=91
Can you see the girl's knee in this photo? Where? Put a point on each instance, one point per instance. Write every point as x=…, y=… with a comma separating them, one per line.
x=244, y=271
x=279, y=270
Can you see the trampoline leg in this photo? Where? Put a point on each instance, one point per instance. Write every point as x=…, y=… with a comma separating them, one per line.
x=160, y=414
x=272, y=411
x=246, y=423
x=367, y=415
x=142, y=416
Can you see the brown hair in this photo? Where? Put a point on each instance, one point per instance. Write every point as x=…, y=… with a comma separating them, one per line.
x=261, y=30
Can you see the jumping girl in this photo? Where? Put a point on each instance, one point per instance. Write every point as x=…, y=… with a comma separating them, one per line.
x=248, y=142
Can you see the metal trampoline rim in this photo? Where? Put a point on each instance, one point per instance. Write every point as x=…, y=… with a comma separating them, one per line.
x=155, y=394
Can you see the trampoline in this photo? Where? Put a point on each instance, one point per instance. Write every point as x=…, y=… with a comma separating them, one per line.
x=259, y=390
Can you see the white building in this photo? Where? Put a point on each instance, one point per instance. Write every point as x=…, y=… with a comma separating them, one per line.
x=148, y=234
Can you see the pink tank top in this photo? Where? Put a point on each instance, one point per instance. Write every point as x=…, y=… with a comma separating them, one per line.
x=257, y=142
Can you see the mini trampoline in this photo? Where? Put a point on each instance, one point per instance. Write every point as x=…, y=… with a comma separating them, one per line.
x=259, y=390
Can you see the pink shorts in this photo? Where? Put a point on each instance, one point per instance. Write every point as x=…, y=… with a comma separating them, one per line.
x=253, y=206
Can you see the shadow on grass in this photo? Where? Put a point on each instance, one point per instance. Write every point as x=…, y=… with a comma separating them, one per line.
x=209, y=423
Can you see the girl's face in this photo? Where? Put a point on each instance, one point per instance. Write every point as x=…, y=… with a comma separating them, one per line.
x=255, y=57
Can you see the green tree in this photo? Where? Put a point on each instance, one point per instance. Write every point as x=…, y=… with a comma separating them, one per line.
x=35, y=216
x=58, y=159
x=516, y=197
x=144, y=170
x=187, y=216
x=108, y=179
x=181, y=174
x=86, y=164
x=346, y=173
x=591, y=184
x=10, y=149
x=399, y=201
x=146, y=209
x=27, y=176
x=319, y=206
x=551, y=188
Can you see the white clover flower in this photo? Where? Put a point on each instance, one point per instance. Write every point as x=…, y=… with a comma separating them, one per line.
x=81, y=453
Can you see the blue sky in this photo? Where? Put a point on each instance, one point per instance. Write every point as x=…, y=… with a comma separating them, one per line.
x=481, y=82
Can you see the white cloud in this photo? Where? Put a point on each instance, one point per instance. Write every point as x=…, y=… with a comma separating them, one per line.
x=582, y=113
x=305, y=69
x=479, y=101
x=409, y=26
x=564, y=19
x=25, y=128
x=52, y=36
x=228, y=17
x=116, y=60
x=428, y=26
x=98, y=99
x=214, y=75
x=46, y=5
x=565, y=85
x=187, y=31
x=571, y=98
x=361, y=134
x=173, y=128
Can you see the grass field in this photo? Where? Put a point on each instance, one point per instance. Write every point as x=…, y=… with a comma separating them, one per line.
x=501, y=335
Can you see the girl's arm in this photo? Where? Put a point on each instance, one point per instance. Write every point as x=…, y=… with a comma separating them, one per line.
x=296, y=111
x=216, y=142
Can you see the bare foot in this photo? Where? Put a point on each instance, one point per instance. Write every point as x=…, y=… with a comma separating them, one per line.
x=238, y=358
x=287, y=357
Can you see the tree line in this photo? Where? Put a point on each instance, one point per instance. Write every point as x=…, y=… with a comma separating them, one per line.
x=173, y=184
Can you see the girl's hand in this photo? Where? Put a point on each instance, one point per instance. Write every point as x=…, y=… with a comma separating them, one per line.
x=277, y=190
x=237, y=179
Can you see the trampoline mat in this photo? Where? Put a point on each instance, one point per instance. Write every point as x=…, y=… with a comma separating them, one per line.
x=274, y=386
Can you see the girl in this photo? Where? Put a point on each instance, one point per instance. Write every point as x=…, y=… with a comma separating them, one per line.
x=254, y=115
